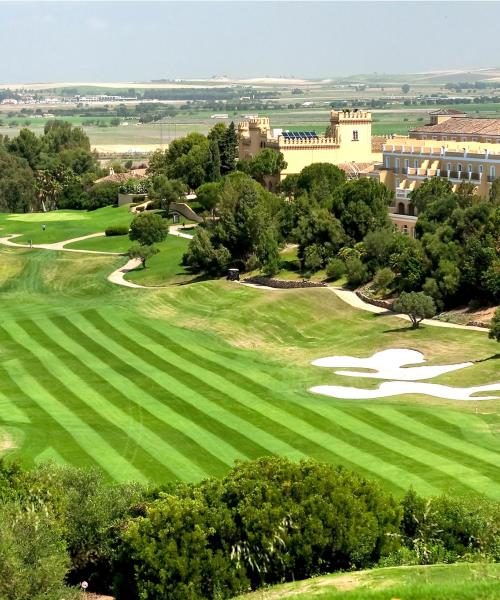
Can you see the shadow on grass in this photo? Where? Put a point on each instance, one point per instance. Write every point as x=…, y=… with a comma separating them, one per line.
x=492, y=357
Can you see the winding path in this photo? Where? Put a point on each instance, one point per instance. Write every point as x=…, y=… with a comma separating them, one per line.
x=118, y=276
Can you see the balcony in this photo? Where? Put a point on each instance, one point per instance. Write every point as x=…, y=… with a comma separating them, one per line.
x=421, y=173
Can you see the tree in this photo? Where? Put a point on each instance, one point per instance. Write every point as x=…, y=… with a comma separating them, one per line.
x=148, y=228
x=318, y=228
x=357, y=273
x=265, y=165
x=495, y=191
x=102, y=194
x=208, y=196
x=495, y=326
x=229, y=150
x=214, y=164
x=27, y=145
x=416, y=305
x=143, y=253
x=165, y=191
x=17, y=185
x=405, y=88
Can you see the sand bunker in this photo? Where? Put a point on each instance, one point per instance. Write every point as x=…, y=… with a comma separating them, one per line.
x=396, y=388
x=387, y=364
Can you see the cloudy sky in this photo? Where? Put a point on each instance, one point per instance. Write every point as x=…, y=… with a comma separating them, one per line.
x=138, y=41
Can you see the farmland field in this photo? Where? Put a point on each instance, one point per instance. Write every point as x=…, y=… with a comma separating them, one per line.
x=180, y=382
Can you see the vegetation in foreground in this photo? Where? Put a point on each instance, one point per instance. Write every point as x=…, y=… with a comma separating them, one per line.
x=265, y=522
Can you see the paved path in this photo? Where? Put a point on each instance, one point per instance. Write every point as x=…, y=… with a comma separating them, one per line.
x=7, y=241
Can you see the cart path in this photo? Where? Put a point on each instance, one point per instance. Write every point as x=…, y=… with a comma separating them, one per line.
x=7, y=241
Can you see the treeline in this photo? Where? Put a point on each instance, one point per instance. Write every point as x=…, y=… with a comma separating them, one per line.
x=266, y=522
x=46, y=172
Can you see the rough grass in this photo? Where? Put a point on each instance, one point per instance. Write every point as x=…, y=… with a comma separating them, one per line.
x=477, y=581
x=180, y=382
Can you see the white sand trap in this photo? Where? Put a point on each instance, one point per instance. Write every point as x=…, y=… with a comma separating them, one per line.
x=387, y=365
x=396, y=388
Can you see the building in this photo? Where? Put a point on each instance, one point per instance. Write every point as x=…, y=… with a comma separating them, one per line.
x=461, y=149
x=348, y=142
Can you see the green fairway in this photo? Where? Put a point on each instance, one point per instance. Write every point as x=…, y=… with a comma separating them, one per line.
x=475, y=581
x=178, y=383
x=62, y=224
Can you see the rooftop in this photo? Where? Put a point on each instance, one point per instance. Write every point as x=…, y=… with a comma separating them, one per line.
x=462, y=125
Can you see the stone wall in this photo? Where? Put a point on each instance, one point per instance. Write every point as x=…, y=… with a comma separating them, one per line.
x=283, y=283
x=362, y=295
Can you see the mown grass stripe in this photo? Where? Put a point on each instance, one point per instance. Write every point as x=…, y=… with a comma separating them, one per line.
x=111, y=438
x=82, y=433
x=473, y=454
x=373, y=427
x=415, y=472
x=41, y=426
x=112, y=408
x=160, y=418
x=348, y=453
x=161, y=385
x=10, y=412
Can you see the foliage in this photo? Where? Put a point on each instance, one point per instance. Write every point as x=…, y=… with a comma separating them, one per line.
x=416, y=305
x=116, y=230
x=264, y=165
x=142, y=252
x=148, y=229
x=320, y=236
x=248, y=225
x=383, y=280
x=494, y=332
x=102, y=194
x=335, y=268
x=266, y=521
x=356, y=271
x=165, y=191
x=17, y=184
x=208, y=196
x=133, y=185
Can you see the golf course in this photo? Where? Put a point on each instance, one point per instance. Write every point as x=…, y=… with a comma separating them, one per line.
x=180, y=382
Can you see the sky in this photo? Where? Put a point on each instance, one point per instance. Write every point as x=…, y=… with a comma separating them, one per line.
x=140, y=41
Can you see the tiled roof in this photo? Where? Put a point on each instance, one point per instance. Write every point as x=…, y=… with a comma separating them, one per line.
x=121, y=177
x=462, y=125
x=447, y=111
x=354, y=167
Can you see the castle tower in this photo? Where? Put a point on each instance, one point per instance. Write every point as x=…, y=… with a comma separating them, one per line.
x=253, y=136
x=352, y=129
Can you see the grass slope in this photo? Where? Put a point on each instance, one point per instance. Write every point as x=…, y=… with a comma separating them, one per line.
x=180, y=382
x=447, y=582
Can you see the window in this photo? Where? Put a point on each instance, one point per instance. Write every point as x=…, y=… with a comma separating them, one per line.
x=459, y=168
x=481, y=169
x=355, y=136
x=469, y=168
x=492, y=173
x=387, y=161
x=415, y=164
x=405, y=229
x=396, y=164
x=448, y=166
x=411, y=209
x=401, y=209
x=407, y=164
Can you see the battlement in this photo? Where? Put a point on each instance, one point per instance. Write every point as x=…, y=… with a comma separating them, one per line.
x=350, y=116
x=307, y=142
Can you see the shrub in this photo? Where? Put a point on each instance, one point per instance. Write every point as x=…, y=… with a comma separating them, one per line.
x=116, y=230
x=335, y=269
x=416, y=305
x=357, y=272
x=383, y=280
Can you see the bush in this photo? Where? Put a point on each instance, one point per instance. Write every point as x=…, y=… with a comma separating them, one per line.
x=357, y=273
x=383, y=280
x=416, y=305
x=116, y=230
x=335, y=269
x=101, y=194
x=267, y=521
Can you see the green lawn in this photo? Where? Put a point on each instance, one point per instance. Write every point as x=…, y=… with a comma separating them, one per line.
x=114, y=243
x=177, y=383
x=164, y=267
x=475, y=581
x=62, y=224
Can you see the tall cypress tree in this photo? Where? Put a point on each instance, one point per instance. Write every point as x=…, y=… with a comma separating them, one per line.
x=214, y=165
x=229, y=148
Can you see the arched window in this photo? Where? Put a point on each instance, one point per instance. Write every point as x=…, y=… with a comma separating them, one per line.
x=401, y=208
x=355, y=136
x=411, y=209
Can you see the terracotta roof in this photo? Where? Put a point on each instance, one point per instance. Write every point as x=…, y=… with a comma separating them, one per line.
x=354, y=168
x=121, y=177
x=462, y=125
x=447, y=111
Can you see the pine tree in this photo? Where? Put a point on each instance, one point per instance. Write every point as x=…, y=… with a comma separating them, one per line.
x=214, y=165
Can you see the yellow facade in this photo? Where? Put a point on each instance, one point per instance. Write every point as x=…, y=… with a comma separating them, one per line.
x=349, y=142
x=408, y=162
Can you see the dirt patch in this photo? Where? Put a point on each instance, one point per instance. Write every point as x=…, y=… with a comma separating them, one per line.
x=465, y=315
x=6, y=443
